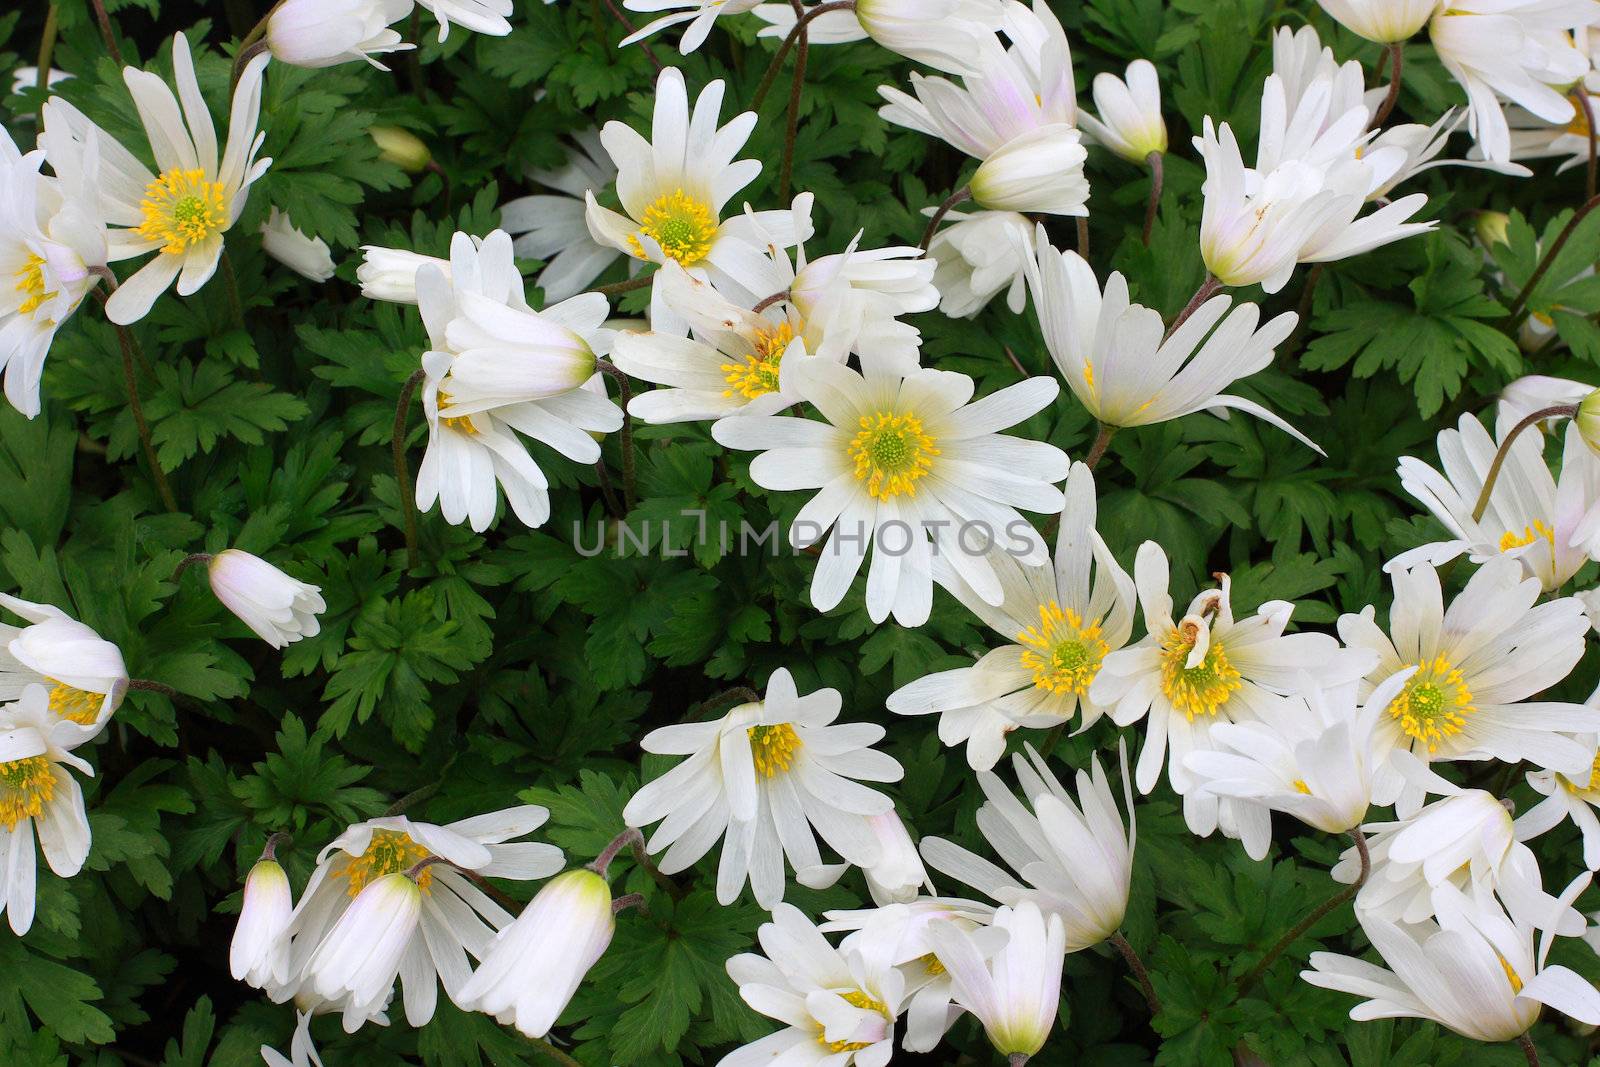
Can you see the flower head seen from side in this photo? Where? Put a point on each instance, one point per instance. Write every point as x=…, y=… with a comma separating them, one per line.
x=181, y=213
x=1191, y=674
x=479, y=16
x=1118, y=362
x=305, y=255
x=552, y=225
x=364, y=950
x=840, y=1007
x=1130, y=122
x=1383, y=21
x=1072, y=856
x=83, y=675
x=1062, y=621
x=838, y=26
x=455, y=919
x=981, y=255
x=943, y=34
x=38, y=797
x=701, y=15
x=898, y=875
x=325, y=33
x=302, y=1053
x=259, y=954
x=1480, y=662
x=767, y=779
x=390, y=274
x=280, y=609
x=1016, y=992
x=903, y=462
x=1565, y=797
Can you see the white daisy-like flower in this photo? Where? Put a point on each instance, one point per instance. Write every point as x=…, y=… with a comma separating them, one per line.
x=498, y=368
x=1130, y=122
x=1479, y=663
x=1120, y=365
x=302, y=1053
x=839, y=1007
x=181, y=213
x=455, y=920
x=1532, y=516
x=1534, y=138
x=1192, y=674
x=38, y=796
x=673, y=188
x=1565, y=797
x=906, y=465
x=1016, y=992
x=766, y=779
x=700, y=14
x=1062, y=621
x=480, y=16
x=553, y=226
x=83, y=674
x=979, y=256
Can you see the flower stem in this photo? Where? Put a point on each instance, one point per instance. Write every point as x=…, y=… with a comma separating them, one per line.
x=277, y=840
x=797, y=89
x=1102, y=441
x=1528, y=1050
x=252, y=45
x=1158, y=177
x=775, y=298
x=1581, y=96
x=1292, y=346
x=627, y=26
x=1514, y=316
x=1567, y=410
x=551, y=1052
x=188, y=561
x=47, y=46
x=106, y=31
x=1389, y=101
x=1313, y=917
x=1083, y=237
x=789, y=42
x=145, y=685
x=628, y=469
x=1207, y=290
x=402, y=471
x=1136, y=965
x=235, y=306
x=633, y=840
x=613, y=505
x=960, y=196
x=618, y=288
x=630, y=900
x=163, y=489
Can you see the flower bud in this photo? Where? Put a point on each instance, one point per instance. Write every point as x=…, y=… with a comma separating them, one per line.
x=1588, y=420
x=1491, y=228
x=306, y=256
x=1130, y=122
x=323, y=33
x=401, y=147
x=391, y=273
x=1016, y=993
x=280, y=609
x=1041, y=170
x=260, y=952
x=1383, y=21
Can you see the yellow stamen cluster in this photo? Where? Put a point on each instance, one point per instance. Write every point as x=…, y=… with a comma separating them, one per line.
x=684, y=227
x=1511, y=539
x=1434, y=704
x=1301, y=787
x=26, y=786
x=30, y=281
x=463, y=423
x=1198, y=690
x=758, y=374
x=863, y=1001
x=1511, y=974
x=389, y=852
x=1593, y=783
x=931, y=965
x=1063, y=654
x=181, y=208
x=79, y=705
x=891, y=452
x=773, y=748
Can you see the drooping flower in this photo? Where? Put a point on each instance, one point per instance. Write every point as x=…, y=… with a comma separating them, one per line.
x=280, y=609
x=898, y=875
x=390, y=274
x=980, y=255
x=1130, y=121
x=944, y=34
x=480, y=16
x=1015, y=993
x=1383, y=21
x=359, y=958
x=767, y=778
x=904, y=463
x=1062, y=620
x=325, y=33
x=302, y=1053
x=83, y=674
x=259, y=954
x=700, y=14
x=306, y=256
x=552, y=226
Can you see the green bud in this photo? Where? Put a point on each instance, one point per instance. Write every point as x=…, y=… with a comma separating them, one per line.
x=401, y=147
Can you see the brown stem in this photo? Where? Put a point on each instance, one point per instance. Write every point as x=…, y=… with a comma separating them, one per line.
x=728, y=698
x=277, y=840
x=1083, y=237
x=627, y=26
x=1514, y=316
x=775, y=298
x=1157, y=179
x=424, y=864
x=789, y=42
x=1207, y=290
x=551, y=1052
x=1581, y=95
x=797, y=88
x=613, y=506
x=960, y=196
x=402, y=471
x=253, y=45
x=106, y=31
x=1528, y=1050
x=1567, y=410
x=188, y=561
x=1015, y=362
x=1313, y=917
x=1102, y=441
x=625, y=393
x=629, y=900
x=618, y=288
x=1393, y=97
x=163, y=489
x=47, y=46
x=633, y=840
x=1136, y=965
x=145, y=685
x=498, y=895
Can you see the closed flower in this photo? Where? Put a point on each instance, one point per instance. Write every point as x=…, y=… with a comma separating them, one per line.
x=322, y=33
x=280, y=609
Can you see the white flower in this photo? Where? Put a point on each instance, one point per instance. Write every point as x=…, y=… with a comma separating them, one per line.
x=839, y=26
x=1422, y=144
x=259, y=955
x=1474, y=972
x=897, y=934
x=323, y=33
x=552, y=226
x=51, y=241
x=1313, y=757
x=391, y=273
x=280, y=609
x=480, y=16
x=700, y=14
x=533, y=967
x=37, y=796
x=944, y=34
x=1479, y=663
x=1518, y=49
x=978, y=256
x=1534, y=138
x=360, y=957
x=498, y=368
x=24, y=78
x=1016, y=993
x=181, y=213
x=1532, y=516
x=767, y=778
x=840, y=1007
x=898, y=875
x=306, y=256
x=302, y=1053
x=1116, y=359
x=1038, y=171
x=674, y=186
x=1383, y=21
x=1062, y=620
x=1565, y=798
x=1130, y=122
x=1535, y=392
x=1203, y=670
x=83, y=674
x=903, y=456
x=1072, y=858
x=456, y=918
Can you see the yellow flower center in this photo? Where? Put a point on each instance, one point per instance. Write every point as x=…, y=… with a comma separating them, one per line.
x=181, y=209
x=1593, y=783
x=1511, y=539
x=79, y=705
x=684, y=227
x=758, y=374
x=930, y=964
x=1300, y=786
x=891, y=453
x=1434, y=704
x=1203, y=688
x=773, y=748
x=389, y=852
x=26, y=786
x=463, y=423
x=30, y=282
x=1063, y=654
x=865, y=1003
